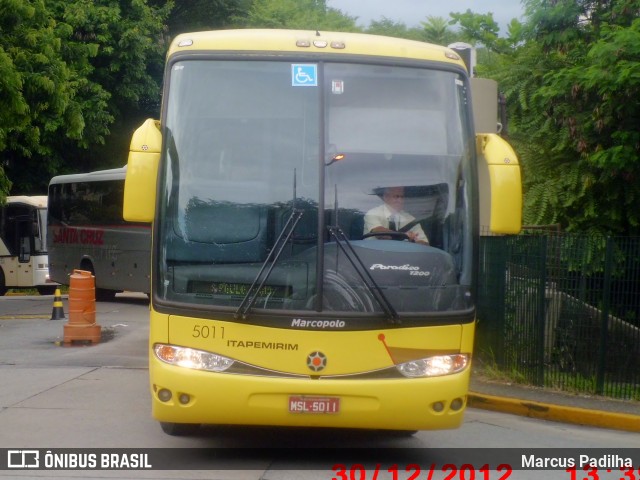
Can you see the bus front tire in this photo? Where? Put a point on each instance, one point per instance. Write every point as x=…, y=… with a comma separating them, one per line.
x=180, y=429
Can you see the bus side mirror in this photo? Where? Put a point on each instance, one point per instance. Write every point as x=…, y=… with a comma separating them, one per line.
x=500, y=185
x=142, y=173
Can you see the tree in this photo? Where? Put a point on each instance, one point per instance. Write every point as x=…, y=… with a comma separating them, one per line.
x=127, y=63
x=436, y=30
x=198, y=15
x=571, y=89
x=36, y=86
x=70, y=69
x=390, y=28
x=482, y=30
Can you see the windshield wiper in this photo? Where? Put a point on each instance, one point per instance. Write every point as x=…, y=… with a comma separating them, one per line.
x=252, y=294
x=361, y=270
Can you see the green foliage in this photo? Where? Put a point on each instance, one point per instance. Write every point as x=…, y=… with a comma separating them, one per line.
x=435, y=30
x=5, y=185
x=477, y=28
x=199, y=15
x=571, y=89
x=77, y=76
x=298, y=14
x=69, y=70
x=390, y=28
x=483, y=31
x=120, y=49
x=36, y=84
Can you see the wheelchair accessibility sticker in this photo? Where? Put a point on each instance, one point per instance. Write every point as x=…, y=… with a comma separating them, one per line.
x=304, y=75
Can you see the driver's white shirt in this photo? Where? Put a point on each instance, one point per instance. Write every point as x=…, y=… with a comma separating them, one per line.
x=381, y=215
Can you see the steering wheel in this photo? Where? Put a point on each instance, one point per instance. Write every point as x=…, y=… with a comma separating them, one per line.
x=393, y=235
x=399, y=235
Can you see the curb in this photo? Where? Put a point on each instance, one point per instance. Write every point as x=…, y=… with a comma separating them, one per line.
x=556, y=413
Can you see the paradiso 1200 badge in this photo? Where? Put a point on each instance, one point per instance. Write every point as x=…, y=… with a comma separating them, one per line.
x=316, y=361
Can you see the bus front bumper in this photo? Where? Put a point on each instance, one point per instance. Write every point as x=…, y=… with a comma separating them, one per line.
x=181, y=395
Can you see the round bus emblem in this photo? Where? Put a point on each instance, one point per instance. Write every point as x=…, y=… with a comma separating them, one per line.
x=316, y=361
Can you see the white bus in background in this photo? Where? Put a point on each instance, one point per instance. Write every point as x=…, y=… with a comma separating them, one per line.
x=86, y=231
x=23, y=245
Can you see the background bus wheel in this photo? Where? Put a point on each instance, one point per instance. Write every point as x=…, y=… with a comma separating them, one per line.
x=3, y=286
x=49, y=290
x=180, y=429
x=103, y=295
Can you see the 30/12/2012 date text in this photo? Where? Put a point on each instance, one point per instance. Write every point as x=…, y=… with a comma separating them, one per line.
x=414, y=471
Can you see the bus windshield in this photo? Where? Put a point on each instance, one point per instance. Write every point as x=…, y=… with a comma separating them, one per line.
x=281, y=175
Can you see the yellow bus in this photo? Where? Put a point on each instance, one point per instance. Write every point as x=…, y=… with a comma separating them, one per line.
x=280, y=292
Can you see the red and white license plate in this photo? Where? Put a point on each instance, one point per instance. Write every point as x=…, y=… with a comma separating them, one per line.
x=304, y=404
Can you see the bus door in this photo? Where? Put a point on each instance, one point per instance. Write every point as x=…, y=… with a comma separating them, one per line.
x=20, y=228
x=25, y=226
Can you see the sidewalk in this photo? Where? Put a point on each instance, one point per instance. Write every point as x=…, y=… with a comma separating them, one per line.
x=556, y=406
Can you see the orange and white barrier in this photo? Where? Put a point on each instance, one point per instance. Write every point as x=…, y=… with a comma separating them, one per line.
x=82, y=309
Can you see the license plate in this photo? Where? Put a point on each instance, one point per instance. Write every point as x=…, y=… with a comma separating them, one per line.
x=303, y=404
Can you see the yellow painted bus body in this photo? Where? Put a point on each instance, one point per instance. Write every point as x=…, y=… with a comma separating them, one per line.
x=354, y=386
x=394, y=404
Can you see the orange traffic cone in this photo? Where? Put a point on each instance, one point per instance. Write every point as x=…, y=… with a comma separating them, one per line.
x=82, y=309
x=58, y=310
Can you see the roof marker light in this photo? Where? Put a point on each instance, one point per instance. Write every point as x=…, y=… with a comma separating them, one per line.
x=185, y=43
x=303, y=43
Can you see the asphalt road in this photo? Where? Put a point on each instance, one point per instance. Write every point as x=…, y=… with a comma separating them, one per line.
x=96, y=397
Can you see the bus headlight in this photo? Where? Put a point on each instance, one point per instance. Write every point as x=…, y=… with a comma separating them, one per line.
x=434, y=366
x=191, y=358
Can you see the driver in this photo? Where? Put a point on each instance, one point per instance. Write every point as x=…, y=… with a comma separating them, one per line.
x=390, y=217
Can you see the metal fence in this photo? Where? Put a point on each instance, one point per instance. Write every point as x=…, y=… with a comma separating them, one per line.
x=562, y=311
